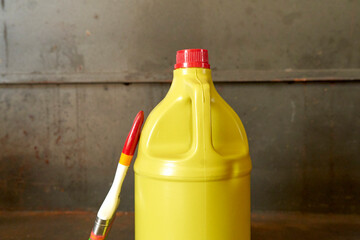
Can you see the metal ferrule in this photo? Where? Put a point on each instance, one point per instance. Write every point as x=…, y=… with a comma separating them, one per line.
x=101, y=227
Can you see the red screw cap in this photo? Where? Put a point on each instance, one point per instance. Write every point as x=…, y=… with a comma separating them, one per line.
x=188, y=58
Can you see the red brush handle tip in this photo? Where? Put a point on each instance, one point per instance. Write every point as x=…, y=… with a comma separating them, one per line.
x=134, y=134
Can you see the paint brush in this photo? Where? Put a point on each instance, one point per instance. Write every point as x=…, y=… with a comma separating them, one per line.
x=106, y=213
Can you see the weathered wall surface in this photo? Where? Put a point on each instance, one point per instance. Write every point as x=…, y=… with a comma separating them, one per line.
x=73, y=74
x=81, y=41
x=60, y=144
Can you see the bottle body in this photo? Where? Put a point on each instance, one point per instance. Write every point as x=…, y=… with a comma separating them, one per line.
x=203, y=210
x=192, y=173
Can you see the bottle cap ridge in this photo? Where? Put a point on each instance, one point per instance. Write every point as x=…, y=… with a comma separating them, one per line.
x=188, y=58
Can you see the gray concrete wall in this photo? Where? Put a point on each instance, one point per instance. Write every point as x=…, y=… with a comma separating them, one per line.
x=60, y=143
x=81, y=41
x=73, y=74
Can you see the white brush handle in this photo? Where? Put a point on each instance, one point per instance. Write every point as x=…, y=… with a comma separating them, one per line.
x=112, y=200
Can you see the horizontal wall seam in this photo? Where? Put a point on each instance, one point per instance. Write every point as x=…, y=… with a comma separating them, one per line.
x=223, y=76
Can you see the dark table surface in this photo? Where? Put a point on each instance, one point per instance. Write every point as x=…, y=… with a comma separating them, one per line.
x=265, y=226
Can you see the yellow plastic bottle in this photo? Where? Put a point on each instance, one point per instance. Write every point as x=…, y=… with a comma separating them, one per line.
x=192, y=172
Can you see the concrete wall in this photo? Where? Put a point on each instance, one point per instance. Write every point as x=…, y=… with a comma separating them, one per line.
x=73, y=74
x=81, y=41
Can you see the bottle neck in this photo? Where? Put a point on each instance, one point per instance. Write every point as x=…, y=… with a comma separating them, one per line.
x=192, y=75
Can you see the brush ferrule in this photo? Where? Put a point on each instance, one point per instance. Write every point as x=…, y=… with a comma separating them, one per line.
x=101, y=226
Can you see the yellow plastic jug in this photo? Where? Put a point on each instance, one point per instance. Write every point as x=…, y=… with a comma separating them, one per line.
x=192, y=172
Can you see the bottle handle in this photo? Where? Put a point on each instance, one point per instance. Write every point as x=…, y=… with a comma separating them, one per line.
x=199, y=92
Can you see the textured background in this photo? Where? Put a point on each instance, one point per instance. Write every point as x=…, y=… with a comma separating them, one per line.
x=73, y=74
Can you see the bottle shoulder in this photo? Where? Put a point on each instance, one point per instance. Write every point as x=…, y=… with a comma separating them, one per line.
x=190, y=131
